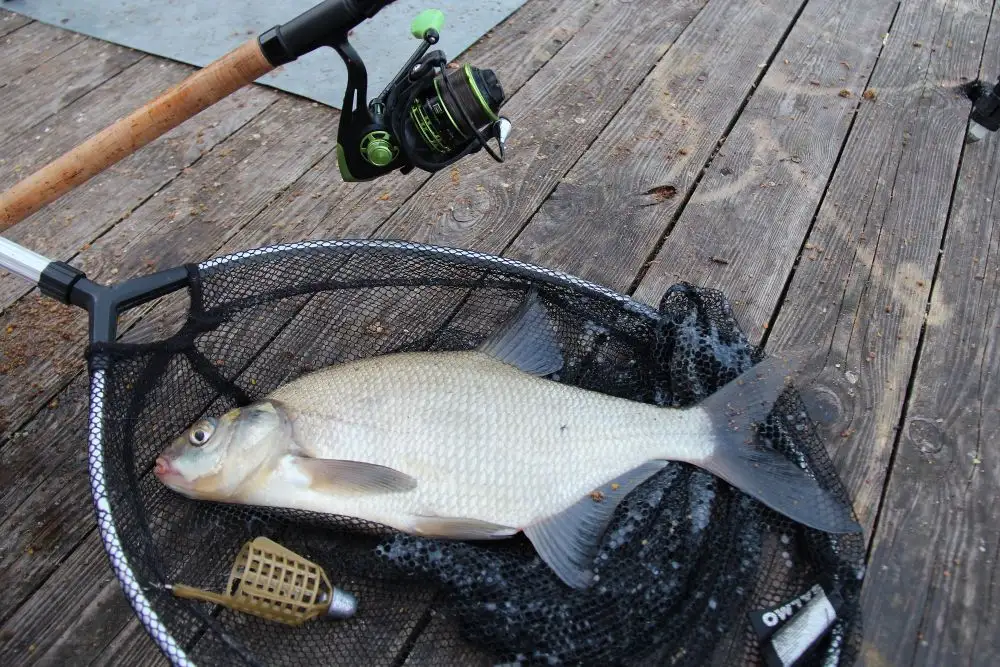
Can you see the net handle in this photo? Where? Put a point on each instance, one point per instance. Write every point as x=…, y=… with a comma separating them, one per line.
x=199, y=91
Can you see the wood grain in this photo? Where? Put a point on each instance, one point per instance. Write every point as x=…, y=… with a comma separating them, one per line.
x=65, y=227
x=624, y=195
x=44, y=513
x=743, y=225
x=52, y=86
x=9, y=22
x=934, y=575
x=199, y=91
x=132, y=646
x=858, y=298
x=31, y=149
x=33, y=45
x=82, y=591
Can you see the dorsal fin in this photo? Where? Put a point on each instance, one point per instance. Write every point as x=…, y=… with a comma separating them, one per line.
x=527, y=340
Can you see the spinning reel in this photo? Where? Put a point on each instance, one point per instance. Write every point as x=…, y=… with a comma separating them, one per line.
x=429, y=116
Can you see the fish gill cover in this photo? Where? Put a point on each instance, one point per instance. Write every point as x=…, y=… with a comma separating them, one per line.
x=690, y=571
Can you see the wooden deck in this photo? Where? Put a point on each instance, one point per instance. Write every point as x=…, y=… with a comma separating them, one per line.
x=807, y=157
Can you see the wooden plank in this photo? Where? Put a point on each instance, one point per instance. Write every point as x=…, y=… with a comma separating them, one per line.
x=755, y=201
x=42, y=504
x=858, y=297
x=62, y=228
x=934, y=575
x=38, y=125
x=56, y=84
x=25, y=49
x=679, y=118
x=82, y=592
x=9, y=22
x=132, y=646
x=23, y=153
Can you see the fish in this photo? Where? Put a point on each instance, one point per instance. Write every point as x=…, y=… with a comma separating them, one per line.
x=483, y=444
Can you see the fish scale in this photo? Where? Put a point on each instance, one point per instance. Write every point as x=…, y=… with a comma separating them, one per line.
x=483, y=439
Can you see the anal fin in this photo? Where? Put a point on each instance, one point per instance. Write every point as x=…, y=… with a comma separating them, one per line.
x=460, y=528
x=569, y=541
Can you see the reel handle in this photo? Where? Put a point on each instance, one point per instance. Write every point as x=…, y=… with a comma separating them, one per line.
x=217, y=80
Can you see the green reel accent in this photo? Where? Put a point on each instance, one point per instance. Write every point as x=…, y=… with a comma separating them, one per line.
x=426, y=20
x=378, y=148
x=427, y=128
x=479, y=94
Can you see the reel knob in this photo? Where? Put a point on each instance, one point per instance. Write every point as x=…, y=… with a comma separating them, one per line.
x=377, y=148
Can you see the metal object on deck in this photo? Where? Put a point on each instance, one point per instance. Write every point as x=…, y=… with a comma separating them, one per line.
x=985, y=115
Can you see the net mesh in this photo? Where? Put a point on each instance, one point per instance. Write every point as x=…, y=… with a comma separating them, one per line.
x=684, y=561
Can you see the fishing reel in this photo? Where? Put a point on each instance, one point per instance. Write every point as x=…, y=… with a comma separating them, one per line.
x=429, y=116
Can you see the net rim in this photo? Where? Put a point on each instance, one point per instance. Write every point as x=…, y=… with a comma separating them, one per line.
x=469, y=257
x=137, y=598
x=109, y=534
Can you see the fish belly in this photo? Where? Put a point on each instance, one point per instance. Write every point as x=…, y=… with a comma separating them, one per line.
x=484, y=440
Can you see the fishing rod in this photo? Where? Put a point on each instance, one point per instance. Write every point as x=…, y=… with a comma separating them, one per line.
x=428, y=117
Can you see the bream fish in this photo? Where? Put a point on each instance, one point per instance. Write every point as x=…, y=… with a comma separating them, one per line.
x=479, y=445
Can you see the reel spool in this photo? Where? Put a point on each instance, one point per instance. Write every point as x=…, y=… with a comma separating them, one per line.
x=428, y=117
x=464, y=101
x=275, y=583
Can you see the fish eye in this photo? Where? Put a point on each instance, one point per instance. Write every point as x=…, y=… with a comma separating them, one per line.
x=201, y=432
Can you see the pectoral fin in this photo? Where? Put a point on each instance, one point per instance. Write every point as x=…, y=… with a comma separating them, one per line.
x=568, y=542
x=350, y=477
x=527, y=340
x=460, y=528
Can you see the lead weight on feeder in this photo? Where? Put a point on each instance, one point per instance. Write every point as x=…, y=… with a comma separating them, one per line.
x=342, y=605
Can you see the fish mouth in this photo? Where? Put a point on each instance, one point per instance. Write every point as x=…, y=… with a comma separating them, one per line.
x=166, y=472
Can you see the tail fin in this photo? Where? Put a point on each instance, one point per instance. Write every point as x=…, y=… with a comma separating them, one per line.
x=764, y=473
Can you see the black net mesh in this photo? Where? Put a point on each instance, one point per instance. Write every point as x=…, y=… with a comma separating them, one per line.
x=684, y=562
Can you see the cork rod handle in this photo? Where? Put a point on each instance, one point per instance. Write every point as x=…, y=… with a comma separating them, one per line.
x=199, y=91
